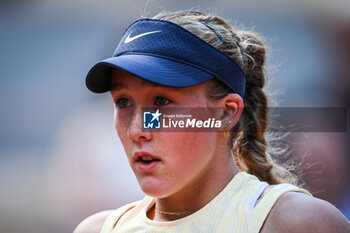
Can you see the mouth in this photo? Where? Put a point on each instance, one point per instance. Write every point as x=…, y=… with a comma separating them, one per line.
x=146, y=161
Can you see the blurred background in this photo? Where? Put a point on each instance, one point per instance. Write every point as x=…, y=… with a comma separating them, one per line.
x=60, y=158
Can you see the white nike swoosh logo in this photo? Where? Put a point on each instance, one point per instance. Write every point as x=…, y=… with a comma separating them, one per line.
x=128, y=39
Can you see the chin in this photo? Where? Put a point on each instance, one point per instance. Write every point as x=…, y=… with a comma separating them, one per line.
x=153, y=188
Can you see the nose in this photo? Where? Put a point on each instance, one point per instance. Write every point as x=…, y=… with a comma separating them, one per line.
x=135, y=131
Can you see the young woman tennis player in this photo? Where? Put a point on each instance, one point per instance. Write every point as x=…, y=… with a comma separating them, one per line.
x=213, y=181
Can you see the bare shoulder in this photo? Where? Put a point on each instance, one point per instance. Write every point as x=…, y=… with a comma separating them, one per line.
x=298, y=212
x=93, y=224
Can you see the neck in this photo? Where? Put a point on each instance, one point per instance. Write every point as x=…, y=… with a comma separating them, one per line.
x=195, y=194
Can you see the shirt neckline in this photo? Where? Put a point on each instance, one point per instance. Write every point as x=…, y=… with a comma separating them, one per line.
x=231, y=186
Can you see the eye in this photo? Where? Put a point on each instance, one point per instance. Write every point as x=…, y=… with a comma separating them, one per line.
x=161, y=101
x=122, y=102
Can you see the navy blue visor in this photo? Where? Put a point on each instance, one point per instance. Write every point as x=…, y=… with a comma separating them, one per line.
x=165, y=53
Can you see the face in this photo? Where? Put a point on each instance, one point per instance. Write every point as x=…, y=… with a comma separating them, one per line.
x=164, y=162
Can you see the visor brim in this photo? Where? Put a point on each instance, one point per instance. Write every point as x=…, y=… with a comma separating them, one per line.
x=158, y=70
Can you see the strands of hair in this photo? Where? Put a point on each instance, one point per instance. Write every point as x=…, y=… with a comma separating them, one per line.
x=249, y=142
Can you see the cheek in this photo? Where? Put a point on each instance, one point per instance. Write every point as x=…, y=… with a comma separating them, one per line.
x=121, y=126
x=122, y=120
x=189, y=149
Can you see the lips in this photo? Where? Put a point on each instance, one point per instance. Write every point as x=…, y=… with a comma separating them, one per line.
x=146, y=161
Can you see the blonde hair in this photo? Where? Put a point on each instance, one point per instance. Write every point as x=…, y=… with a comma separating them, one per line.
x=247, y=139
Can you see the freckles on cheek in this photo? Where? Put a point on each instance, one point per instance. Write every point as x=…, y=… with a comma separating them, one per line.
x=185, y=145
x=121, y=121
x=195, y=146
x=121, y=128
x=124, y=139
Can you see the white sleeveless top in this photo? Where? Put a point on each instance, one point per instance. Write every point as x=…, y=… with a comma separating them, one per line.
x=232, y=210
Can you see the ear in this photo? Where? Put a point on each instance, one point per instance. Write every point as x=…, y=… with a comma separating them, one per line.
x=232, y=106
